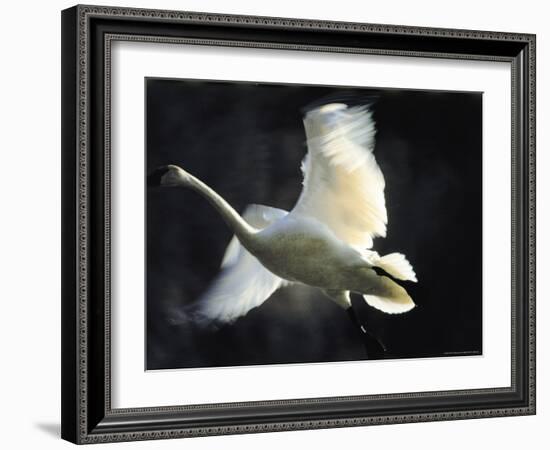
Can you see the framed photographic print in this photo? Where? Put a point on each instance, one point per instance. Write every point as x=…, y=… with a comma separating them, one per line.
x=267, y=222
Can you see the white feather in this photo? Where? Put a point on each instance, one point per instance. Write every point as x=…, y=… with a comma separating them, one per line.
x=397, y=265
x=390, y=306
x=343, y=185
x=243, y=283
x=388, y=296
x=236, y=290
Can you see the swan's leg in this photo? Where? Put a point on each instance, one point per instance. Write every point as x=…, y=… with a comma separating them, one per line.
x=373, y=347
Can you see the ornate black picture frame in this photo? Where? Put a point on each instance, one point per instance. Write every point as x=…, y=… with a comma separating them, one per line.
x=87, y=35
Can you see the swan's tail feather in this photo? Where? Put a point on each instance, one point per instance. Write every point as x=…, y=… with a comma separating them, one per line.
x=390, y=306
x=397, y=265
x=389, y=297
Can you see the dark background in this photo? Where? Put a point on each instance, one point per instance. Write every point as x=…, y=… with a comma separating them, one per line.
x=246, y=141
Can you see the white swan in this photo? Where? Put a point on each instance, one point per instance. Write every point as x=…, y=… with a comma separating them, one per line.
x=324, y=241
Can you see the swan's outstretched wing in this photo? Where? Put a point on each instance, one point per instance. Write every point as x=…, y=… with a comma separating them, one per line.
x=243, y=283
x=343, y=185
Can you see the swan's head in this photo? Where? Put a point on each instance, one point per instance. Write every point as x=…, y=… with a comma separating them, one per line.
x=170, y=175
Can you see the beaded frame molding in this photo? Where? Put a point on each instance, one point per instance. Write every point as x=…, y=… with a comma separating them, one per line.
x=87, y=35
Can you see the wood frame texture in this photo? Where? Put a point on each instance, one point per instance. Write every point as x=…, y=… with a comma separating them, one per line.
x=87, y=34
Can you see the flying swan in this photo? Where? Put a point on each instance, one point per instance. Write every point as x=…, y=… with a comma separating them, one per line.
x=325, y=241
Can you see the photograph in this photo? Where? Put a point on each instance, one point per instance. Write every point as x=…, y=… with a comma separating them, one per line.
x=277, y=223
x=292, y=223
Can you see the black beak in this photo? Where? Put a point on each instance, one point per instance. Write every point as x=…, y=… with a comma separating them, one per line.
x=155, y=177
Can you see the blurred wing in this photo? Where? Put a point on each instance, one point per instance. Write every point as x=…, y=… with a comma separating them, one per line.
x=236, y=290
x=343, y=185
x=243, y=283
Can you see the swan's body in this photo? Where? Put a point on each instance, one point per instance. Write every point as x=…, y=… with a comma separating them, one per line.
x=302, y=249
x=324, y=241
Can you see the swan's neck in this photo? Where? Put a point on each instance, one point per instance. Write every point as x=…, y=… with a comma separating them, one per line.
x=244, y=232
